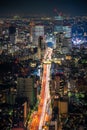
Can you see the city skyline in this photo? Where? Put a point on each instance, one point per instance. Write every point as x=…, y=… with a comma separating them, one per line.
x=46, y=7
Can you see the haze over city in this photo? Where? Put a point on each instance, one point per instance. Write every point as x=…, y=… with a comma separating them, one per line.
x=40, y=7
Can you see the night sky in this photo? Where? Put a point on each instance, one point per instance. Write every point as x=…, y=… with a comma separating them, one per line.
x=43, y=7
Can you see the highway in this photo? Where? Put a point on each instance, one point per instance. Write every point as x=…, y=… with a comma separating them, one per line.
x=43, y=115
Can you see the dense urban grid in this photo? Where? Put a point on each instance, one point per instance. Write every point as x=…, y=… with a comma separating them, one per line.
x=43, y=73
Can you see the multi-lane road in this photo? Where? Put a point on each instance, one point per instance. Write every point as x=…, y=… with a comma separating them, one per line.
x=43, y=114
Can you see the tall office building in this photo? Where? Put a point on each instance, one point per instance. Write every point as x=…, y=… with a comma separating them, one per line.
x=25, y=88
x=12, y=31
x=37, y=31
x=67, y=31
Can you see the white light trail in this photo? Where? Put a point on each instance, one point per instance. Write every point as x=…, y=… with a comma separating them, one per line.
x=46, y=94
x=46, y=97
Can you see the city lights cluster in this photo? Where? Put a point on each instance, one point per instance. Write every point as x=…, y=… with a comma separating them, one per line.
x=77, y=40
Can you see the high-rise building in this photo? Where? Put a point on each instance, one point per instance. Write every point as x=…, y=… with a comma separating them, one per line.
x=37, y=31
x=67, y=31
x=12, y=31
x=25, y=88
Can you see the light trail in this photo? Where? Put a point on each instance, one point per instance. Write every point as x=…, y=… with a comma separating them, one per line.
x=39, y=119
x=46, y=98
